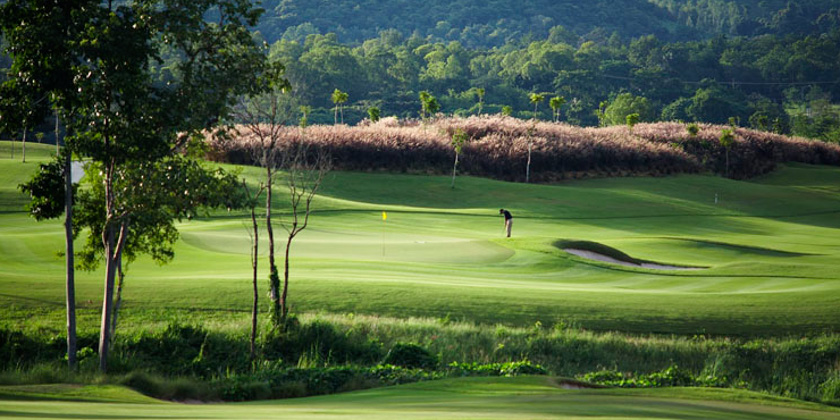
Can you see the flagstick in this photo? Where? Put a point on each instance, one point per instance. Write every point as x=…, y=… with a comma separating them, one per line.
x=384, y=222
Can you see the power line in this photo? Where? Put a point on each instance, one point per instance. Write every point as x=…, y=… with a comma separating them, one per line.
x=733, y=82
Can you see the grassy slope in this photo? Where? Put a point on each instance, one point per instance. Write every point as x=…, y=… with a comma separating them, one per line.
x=523, y=397
x=771, y=245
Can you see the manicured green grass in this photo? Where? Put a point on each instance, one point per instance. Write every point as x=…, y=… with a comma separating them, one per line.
x=771, y=246
x=508, y=398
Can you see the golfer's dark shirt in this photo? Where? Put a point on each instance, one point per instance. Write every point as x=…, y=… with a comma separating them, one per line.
x=507, y=215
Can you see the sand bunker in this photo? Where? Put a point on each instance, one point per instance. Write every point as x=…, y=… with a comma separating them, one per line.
x=591, y=255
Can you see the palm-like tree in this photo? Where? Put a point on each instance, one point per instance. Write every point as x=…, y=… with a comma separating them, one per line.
x=536, y=98
x=339, y=98
x=556, y=103
x=480, y=93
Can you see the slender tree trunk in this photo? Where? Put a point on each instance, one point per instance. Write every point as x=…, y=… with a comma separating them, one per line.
x=56, y=131
x=335, y=117
x=70, y=286
x=342, y=114
x=107, y=298
x=285, y=295
x=528, y=165
x=113, y=242
x=254, y=260
x=118, y=300
x=454, y=169
x=24, y=145
x=274, y=278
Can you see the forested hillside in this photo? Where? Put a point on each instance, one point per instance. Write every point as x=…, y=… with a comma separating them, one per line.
x=767, y=64
x=477, y=23
x=785, y=84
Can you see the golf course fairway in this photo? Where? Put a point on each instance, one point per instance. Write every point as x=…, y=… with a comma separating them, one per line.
x=765, y=254
x=467, y=398
x=769, y=248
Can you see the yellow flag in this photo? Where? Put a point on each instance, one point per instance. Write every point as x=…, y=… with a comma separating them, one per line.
x=384, y=216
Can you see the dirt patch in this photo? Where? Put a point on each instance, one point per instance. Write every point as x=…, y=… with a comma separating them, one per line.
x=565, y=383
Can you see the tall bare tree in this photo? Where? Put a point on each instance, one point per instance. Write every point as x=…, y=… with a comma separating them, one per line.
x=263, y=119
x=306, y=169
x=255, y=248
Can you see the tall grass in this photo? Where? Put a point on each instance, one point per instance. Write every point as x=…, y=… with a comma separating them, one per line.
x=498, y=148
x=344, y=350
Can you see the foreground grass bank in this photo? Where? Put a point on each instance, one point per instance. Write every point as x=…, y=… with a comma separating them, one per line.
x=329, y=353
x=509, y=398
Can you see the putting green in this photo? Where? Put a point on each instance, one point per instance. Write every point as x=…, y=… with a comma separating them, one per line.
x=467, y=398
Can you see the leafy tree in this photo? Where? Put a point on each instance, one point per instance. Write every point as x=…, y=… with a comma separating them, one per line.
x=716, y=104
x=556, y=103
x=139, y=80
x=305, y=110
x=692, y=129
x=339, y=98
x=536, y=98
x=626, y=104
x=458, y=139
x=479, y=93
x=677, y=110
x=52, y=192
x=507, y=110
x=37, y=38
x=428, y=105
x=601, y=113
x=632, y=120
x=373, y=114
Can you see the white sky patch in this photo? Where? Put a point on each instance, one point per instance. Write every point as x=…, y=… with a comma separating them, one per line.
x=77, y=171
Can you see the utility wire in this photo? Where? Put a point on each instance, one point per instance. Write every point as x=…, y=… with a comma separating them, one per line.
x=733, y=82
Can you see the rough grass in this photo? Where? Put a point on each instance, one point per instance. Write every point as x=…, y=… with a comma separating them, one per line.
x=175, y=361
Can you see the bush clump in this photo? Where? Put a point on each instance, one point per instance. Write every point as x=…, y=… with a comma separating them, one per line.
x=410, y=355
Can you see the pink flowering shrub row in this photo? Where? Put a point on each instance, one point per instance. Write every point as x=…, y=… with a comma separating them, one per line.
x=498, y=148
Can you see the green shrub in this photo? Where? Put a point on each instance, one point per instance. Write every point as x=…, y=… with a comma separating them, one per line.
x=320, y=343
x=410, y=355
x=670, y=376
x=496, y=369
x=830, y=389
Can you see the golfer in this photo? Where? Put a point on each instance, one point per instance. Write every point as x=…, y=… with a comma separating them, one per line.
x=508, y=221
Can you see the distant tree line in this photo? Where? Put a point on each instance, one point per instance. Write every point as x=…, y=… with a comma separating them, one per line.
x=787, y=84
x=493, y=23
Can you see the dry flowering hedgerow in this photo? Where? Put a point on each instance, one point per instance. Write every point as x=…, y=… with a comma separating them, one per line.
x=498, y=145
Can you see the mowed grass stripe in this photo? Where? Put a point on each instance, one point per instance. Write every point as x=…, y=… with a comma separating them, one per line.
x=523, y=397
